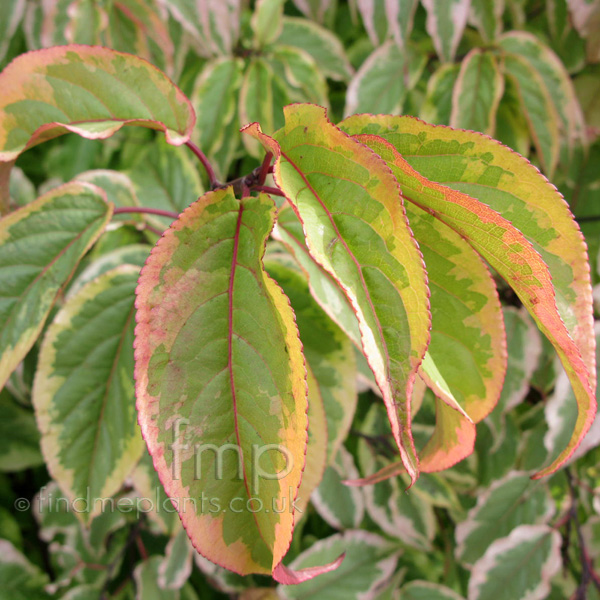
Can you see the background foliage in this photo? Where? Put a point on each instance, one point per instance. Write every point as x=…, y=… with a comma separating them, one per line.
x=525, y=72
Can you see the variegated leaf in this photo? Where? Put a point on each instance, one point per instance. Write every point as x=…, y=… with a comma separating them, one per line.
x=369, y=563
x=515, y=219
x=215, y=102
x=322, y=44
x=446, y=21
x=267, y=21
x=339, y=505
x=248, y=391
x=518, y=566
x=12, y=13
x=87, y=419
x=556, y=81
x=425, y=590
x=401, y=14
x=538, y=108
x=384, y=79
x=212, y=24
x=319, y=167
x=90, y=91
x=477, y=93
x=329, y=355
x=438, y=101
x=508, y=503
x=41, y=244
x=486, y=15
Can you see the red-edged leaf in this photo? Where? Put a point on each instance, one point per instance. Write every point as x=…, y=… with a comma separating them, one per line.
x=353, y=217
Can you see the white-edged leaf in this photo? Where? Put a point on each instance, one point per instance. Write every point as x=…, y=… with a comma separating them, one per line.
x=340, y=505
x=518, y=566
x=446, y=21
x=370, y=561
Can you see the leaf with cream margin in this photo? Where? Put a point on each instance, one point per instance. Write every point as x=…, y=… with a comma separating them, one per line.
x=40, y=247
x=91, y=91
x=21, y=579
x=561, y=415
x=90, y=438
x=370, y=562
x=322, y=44
x=524, y=345
x=215, y=99
x=9, y=24
x=400, y=514
x=468, y=344
x=246, y=402
x=532, y=241
x=213, y=25
x=556, y=81
x=176, y=567
x=477, y=93
x=518, y=566
x=446, y=21
x=329, y=356
x=508, y=503
x=267, y=22
x=452, y=440
x=341, y=506
x=384, y=79
x=319, y=168
x=586, y=19
x=538, y=108
x=317, y=10
x=400, y=15
x=486, y=16
x=424, y=590
x=438, y=100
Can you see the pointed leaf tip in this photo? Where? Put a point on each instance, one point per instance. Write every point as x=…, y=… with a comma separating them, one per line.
x=287, y=576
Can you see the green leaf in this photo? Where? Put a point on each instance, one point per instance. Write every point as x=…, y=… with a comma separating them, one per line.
x=21, y=580
x=40, y=246
x=215, y=100
x=87, y=416
x=318, y=167
x=369, y=563
x=339, y=505
x=19, y=436
x=329, y=355
x=585, y=15
x=539, y=110
x=508, y=503
x=322, y=44
x=384, y=79
x=518, y=566
x=486, y=16
x=477, y=93
x=446, y=21
x=532, y=241
x=225, y=372
x=438, y=101
x=424, y=590
x=317, y=10
x=556, y=81
x=89, y=91
x=373, y=13
x=511, y=125
x=21, y=189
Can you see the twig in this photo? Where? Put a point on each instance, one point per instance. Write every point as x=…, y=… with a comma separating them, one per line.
x=212, y=177
x=269, y=190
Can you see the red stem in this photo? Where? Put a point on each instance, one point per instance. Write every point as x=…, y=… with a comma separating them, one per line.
x=144, y=210
x=214, y=182
x=265, y=168
x=268, y=190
